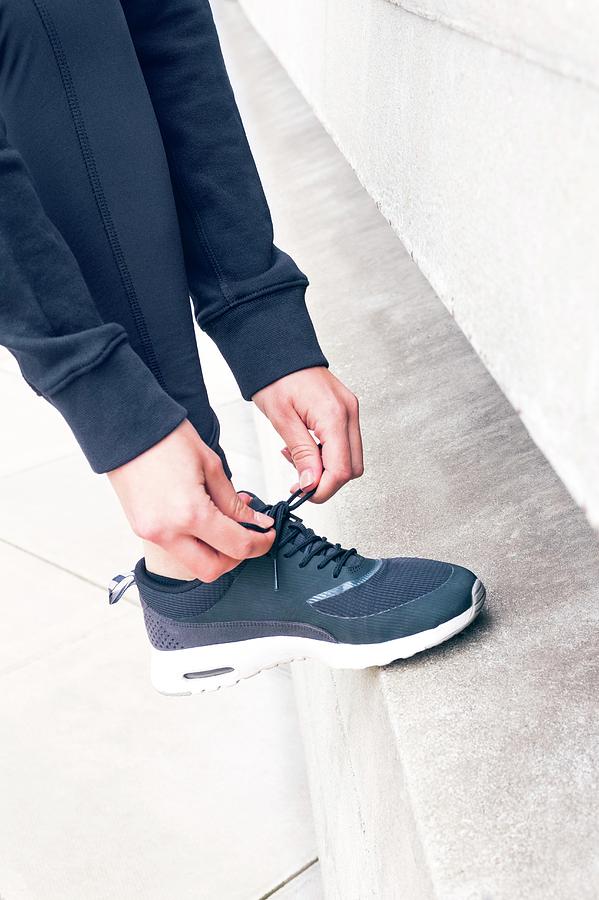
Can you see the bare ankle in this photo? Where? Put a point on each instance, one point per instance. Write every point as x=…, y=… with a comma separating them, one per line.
x=160, y=562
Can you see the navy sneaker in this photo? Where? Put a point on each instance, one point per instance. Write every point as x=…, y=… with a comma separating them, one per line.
x=306, y=598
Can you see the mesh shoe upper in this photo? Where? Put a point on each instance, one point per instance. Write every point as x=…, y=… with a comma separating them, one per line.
x=398, y=581
x=319, y=590
x=186, y=601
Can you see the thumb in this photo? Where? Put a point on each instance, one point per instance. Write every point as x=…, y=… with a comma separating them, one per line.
x=232, y=504
x=303, y=450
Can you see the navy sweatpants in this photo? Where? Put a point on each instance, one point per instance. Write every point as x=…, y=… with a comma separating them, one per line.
x=125, y=119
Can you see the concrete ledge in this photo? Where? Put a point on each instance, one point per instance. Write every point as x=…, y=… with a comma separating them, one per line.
x=560, y=39
x=470, y=771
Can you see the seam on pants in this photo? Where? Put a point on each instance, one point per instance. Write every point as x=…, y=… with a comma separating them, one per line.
x=98, y=191
x=180, y=182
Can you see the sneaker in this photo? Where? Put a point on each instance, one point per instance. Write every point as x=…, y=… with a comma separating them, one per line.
x=306, y=598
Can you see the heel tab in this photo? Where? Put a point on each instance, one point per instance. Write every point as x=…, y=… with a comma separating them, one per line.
x=118, y=586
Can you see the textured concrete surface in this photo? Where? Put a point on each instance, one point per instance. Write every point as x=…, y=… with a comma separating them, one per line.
x=109, y=790
x=542, y=31
x=475, y=127
x=470, y=771
x=305, y=886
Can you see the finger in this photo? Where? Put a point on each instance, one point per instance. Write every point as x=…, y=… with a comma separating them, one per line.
x=247, y=499
x=223, y=533
x=355, y=442
x=248, y=519
x=285, y=452
x=203, y=561
x=302, y=449
x=226, y=498
x=336, y=459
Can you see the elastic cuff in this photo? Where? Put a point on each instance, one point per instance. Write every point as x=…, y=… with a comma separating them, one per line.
x=265, y=339
x=117, y=409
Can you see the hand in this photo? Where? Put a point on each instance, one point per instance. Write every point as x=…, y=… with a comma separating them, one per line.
x=177, y=495
x=313, y=400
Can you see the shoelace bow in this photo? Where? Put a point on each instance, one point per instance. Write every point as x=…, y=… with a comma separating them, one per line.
x=282, y=513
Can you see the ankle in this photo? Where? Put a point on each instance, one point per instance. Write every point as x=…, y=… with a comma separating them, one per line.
x=159, y=562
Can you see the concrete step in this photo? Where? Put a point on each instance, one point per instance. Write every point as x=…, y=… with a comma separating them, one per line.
x=471, y=770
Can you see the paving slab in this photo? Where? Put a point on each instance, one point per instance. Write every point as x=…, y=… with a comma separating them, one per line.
x=43, y=608
x=32, y=431
x=306, y=886
x=110, y=790
x=64, y=513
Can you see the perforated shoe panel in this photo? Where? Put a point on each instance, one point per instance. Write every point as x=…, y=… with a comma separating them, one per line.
x=159, y=633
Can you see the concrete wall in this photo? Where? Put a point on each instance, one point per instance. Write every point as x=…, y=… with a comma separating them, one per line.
x=475, y=128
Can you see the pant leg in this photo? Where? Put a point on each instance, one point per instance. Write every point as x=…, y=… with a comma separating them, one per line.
x=248, y=294
x=77, y=109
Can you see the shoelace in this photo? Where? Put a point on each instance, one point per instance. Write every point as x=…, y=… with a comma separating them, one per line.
x=282, y=513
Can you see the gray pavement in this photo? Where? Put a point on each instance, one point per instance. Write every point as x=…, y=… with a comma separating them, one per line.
x=109, y=790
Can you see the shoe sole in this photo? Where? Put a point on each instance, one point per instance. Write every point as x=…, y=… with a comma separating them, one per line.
x=197, y=670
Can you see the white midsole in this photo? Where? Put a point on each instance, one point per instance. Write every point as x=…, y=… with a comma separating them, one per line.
x=169, y=668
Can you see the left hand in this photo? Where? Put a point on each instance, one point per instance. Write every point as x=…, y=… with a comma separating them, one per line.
x=313, y=400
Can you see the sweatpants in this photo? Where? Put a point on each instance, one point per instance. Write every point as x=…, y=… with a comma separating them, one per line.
x=122, y=116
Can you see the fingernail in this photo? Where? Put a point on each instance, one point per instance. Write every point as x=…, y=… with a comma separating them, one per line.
x=264, y=521
x=306, y=478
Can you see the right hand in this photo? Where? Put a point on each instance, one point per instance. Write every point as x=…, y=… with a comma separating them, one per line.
x=177, y=495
